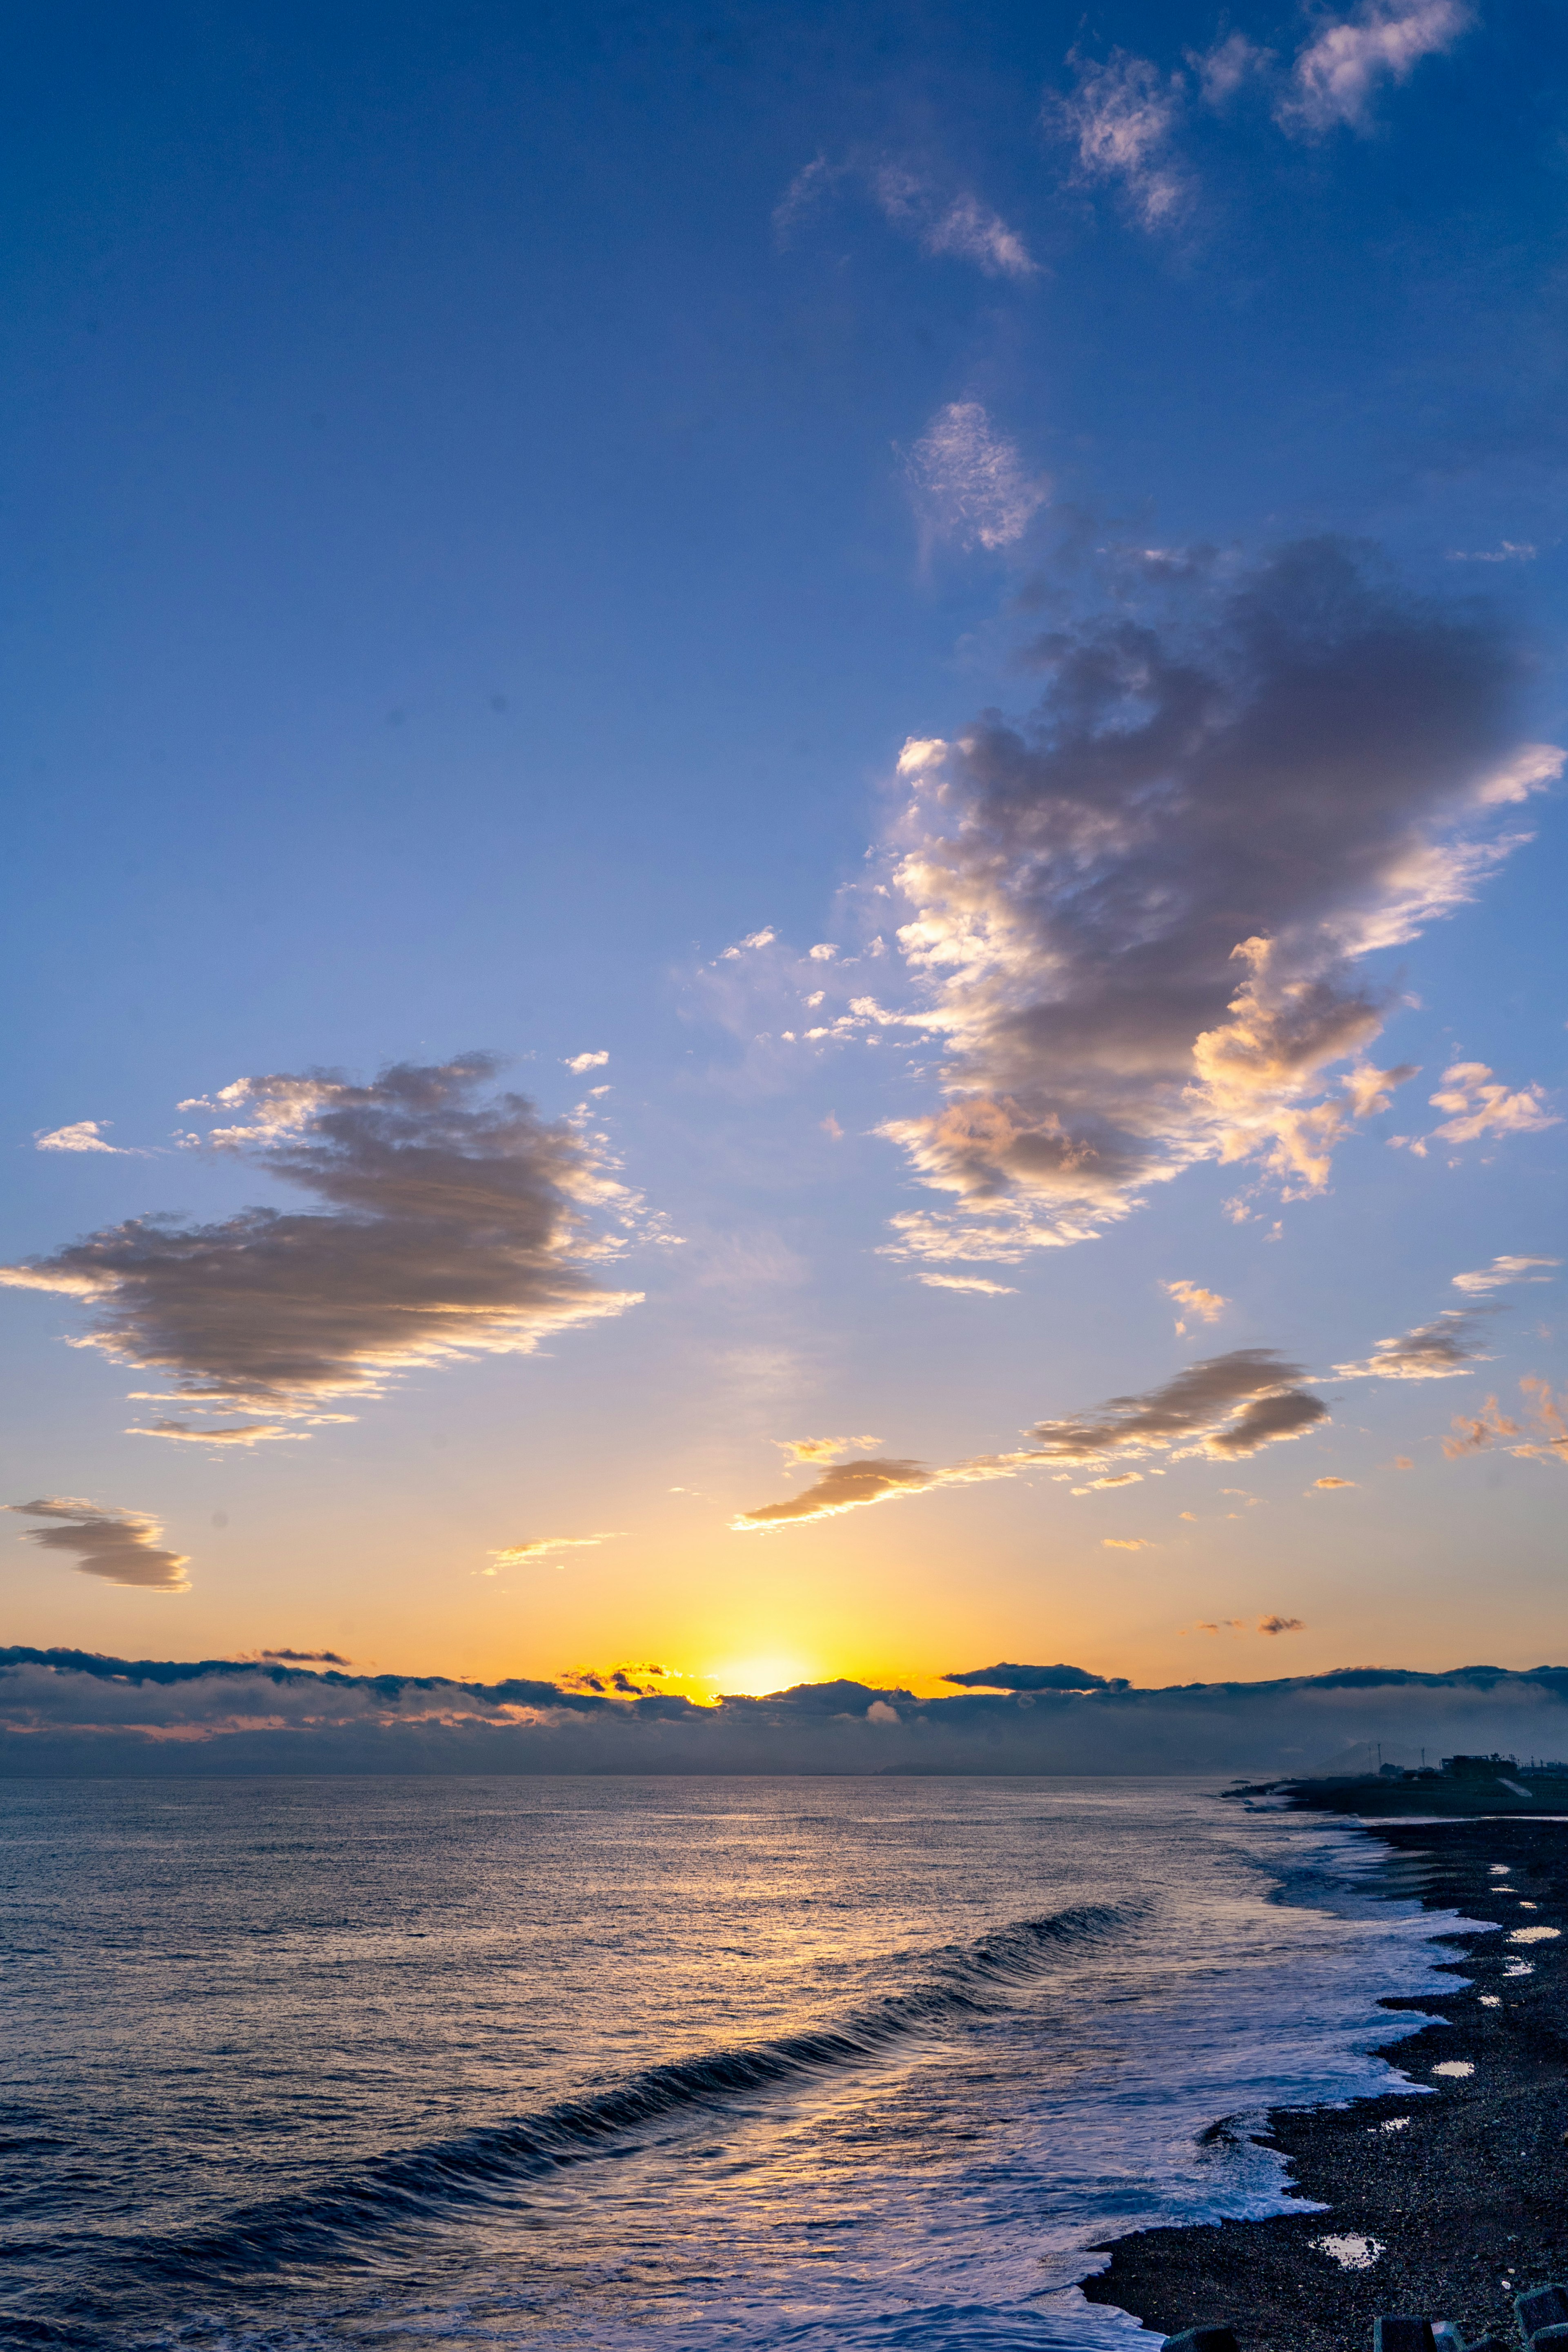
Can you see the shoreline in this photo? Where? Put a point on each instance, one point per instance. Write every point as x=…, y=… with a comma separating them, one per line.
x=1467, y=2199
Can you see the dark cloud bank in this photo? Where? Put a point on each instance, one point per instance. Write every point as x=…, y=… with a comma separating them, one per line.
x=67, y=1712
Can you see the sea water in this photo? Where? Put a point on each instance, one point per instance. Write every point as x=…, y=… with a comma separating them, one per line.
x=676, y=2064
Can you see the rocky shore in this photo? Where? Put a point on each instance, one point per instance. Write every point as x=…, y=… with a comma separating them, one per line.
x=1446, y=2204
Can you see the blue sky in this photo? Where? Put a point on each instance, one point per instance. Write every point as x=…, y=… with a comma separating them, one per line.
x=490, y=503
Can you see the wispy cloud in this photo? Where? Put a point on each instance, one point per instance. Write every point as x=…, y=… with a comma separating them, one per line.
x=1546, y=1440
x=944, y=221
x=545, y=1547
x=581, y=1062
x=1438, y=1350
x=1339, y=72
x=1330, y=1484
x=120, y=1546
x=1120, y=119
x=1282, y=1625
x=1136, y=920
x=223, y=1432
x=973, y=1282
x=968, y=481
x=1503, y=1271
x=1507, y=551
x=456, y=1222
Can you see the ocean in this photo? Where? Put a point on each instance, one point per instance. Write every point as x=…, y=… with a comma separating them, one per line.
x=676, y=2064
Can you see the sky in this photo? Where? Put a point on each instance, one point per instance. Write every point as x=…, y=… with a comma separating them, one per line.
x=786, y=842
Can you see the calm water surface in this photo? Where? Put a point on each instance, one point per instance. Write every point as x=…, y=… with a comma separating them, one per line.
x=682, y=2063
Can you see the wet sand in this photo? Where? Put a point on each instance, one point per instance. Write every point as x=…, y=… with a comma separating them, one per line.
x=1468, y=2194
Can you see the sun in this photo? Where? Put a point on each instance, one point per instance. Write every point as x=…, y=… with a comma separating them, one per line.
x=755, y=1677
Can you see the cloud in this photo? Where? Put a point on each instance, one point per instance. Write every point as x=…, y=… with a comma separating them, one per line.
x=851, y=1485
x=1121, y=119
x=1223, y=70
x=1440, y=1351
x=65, y=1711
x=1482, y=1107
x=1504, y=1270
x=822, y=1449
x=945, y=222
x=969, y=482
x=1282, y=1625
x=1136, y=922
x=304, y=1657
x=1552, y=1423
x=754, y=939
x=1116, y=1478
x=545, y=1547
x=1225, y=1406
x=581, y=1062
x=1479, y=1432
x=1208, y=1305
x=1030, y=1678
x=223, y=1432
x=83, y=1136
x=1476, y=1433
x=1127, y=1543
x=960, y=227
x=968, y=1281
x=1337, y=74
x=1333, y=1482
x=1508, y=550
x=120, y=1546
x=456, y=1222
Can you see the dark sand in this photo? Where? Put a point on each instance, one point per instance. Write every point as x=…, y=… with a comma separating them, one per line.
x=1469, y=2198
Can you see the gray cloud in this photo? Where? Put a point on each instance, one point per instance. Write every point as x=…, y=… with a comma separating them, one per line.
x=1438, y=1350
x=68, y=1712
x=1225, y=1406
x=457, y=1221
x=120, y=1546
x=849, y=1486
x=1138, y=921
x=1031, y=1678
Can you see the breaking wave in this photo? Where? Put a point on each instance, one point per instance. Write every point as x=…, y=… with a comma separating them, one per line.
x=415, y=2184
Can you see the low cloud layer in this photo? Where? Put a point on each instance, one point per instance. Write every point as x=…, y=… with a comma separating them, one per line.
x=67, y=1712
x=456, y=1222
x=120, y=1546
x=1140, y=921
